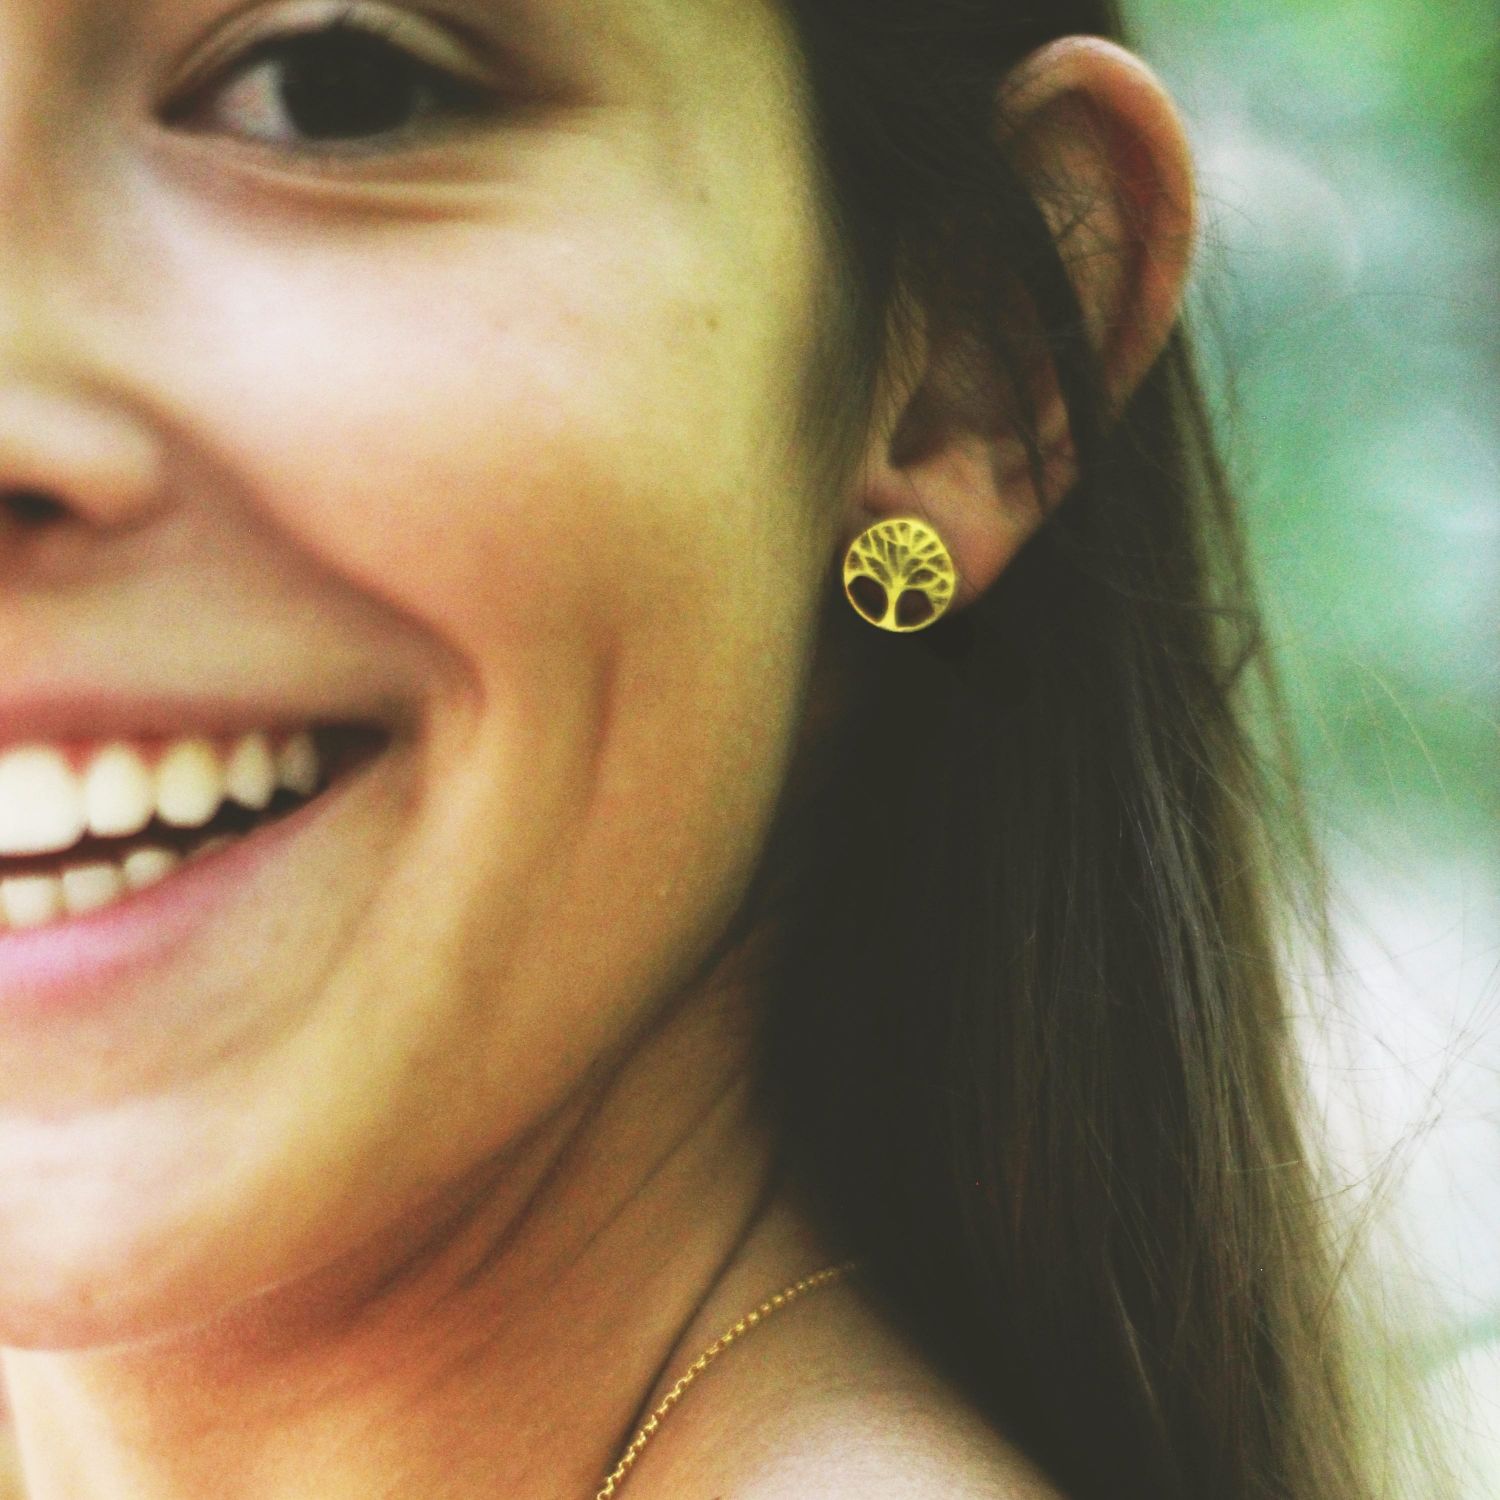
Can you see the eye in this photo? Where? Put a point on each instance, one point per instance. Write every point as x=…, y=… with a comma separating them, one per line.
x=348, y=81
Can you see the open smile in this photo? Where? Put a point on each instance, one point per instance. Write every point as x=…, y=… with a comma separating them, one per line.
x=109, y=852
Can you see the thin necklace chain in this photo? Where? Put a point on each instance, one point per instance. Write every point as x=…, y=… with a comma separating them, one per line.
x=611, y=1486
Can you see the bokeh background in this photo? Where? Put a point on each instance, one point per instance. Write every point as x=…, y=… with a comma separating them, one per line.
x=1349, y=162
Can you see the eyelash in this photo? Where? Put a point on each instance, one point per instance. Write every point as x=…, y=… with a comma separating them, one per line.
x=443, y=95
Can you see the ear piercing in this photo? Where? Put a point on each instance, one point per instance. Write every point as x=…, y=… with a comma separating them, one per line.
x=899, y=576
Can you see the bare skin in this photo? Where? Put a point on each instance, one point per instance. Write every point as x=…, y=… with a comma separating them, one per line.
x=423, y=1168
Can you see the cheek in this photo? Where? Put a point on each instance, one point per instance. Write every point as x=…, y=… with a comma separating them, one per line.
x=577, y=480
x=501, y=448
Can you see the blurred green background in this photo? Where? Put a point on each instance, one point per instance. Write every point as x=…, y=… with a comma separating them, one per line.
x=1347, y=304
x=1346, y=310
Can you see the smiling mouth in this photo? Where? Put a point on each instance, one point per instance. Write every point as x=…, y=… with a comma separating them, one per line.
x=82, y=832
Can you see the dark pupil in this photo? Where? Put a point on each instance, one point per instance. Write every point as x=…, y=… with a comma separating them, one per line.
x=344, y=84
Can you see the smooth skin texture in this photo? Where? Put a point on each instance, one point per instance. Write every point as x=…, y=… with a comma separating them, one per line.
x=430, y=1161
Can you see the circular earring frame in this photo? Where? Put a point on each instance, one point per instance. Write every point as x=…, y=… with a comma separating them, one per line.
x=899, y=575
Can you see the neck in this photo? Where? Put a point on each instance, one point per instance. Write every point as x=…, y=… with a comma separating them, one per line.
x=500, y=1342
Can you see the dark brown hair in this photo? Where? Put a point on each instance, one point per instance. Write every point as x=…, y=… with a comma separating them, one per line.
x=1027, y=1028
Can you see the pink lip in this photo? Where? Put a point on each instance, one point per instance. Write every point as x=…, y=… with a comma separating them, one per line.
x=58, y=717
x=74, y=966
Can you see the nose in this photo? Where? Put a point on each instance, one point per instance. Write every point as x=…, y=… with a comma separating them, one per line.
x=70, y=454
x=74, y=447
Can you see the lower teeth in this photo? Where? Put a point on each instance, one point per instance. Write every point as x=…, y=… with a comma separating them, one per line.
x=76, y=890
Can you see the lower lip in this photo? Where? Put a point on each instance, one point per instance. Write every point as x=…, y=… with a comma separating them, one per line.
x=77, y=966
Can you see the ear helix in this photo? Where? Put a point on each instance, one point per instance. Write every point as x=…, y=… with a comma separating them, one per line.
x=899, y=576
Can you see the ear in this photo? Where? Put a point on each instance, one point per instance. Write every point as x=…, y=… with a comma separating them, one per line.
x=1096, y=138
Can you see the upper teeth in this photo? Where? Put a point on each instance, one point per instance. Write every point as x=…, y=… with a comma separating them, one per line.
x=48, y=803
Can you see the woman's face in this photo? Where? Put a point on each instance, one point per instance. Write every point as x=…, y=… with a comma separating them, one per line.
x=467, y=409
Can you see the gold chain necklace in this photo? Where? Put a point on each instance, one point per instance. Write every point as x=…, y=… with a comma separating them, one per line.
x=611, y=1486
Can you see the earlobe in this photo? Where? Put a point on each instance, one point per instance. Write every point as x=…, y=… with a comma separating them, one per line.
x=1097, y=141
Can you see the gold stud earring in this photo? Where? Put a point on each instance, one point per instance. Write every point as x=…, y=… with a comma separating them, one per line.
x=898, y=575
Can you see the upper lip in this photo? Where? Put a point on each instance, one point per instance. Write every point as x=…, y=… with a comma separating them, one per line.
x=98, y=714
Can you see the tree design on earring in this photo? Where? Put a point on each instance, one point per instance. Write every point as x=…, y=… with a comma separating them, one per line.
x=898, y=575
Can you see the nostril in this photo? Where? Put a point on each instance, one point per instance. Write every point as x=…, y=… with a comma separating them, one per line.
x=31, y=507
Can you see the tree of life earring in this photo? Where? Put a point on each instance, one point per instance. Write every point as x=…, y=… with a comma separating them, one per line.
x=899, y=576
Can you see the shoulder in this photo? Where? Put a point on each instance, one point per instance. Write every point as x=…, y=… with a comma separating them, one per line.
x=892, y=1447
x=834, y=1405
